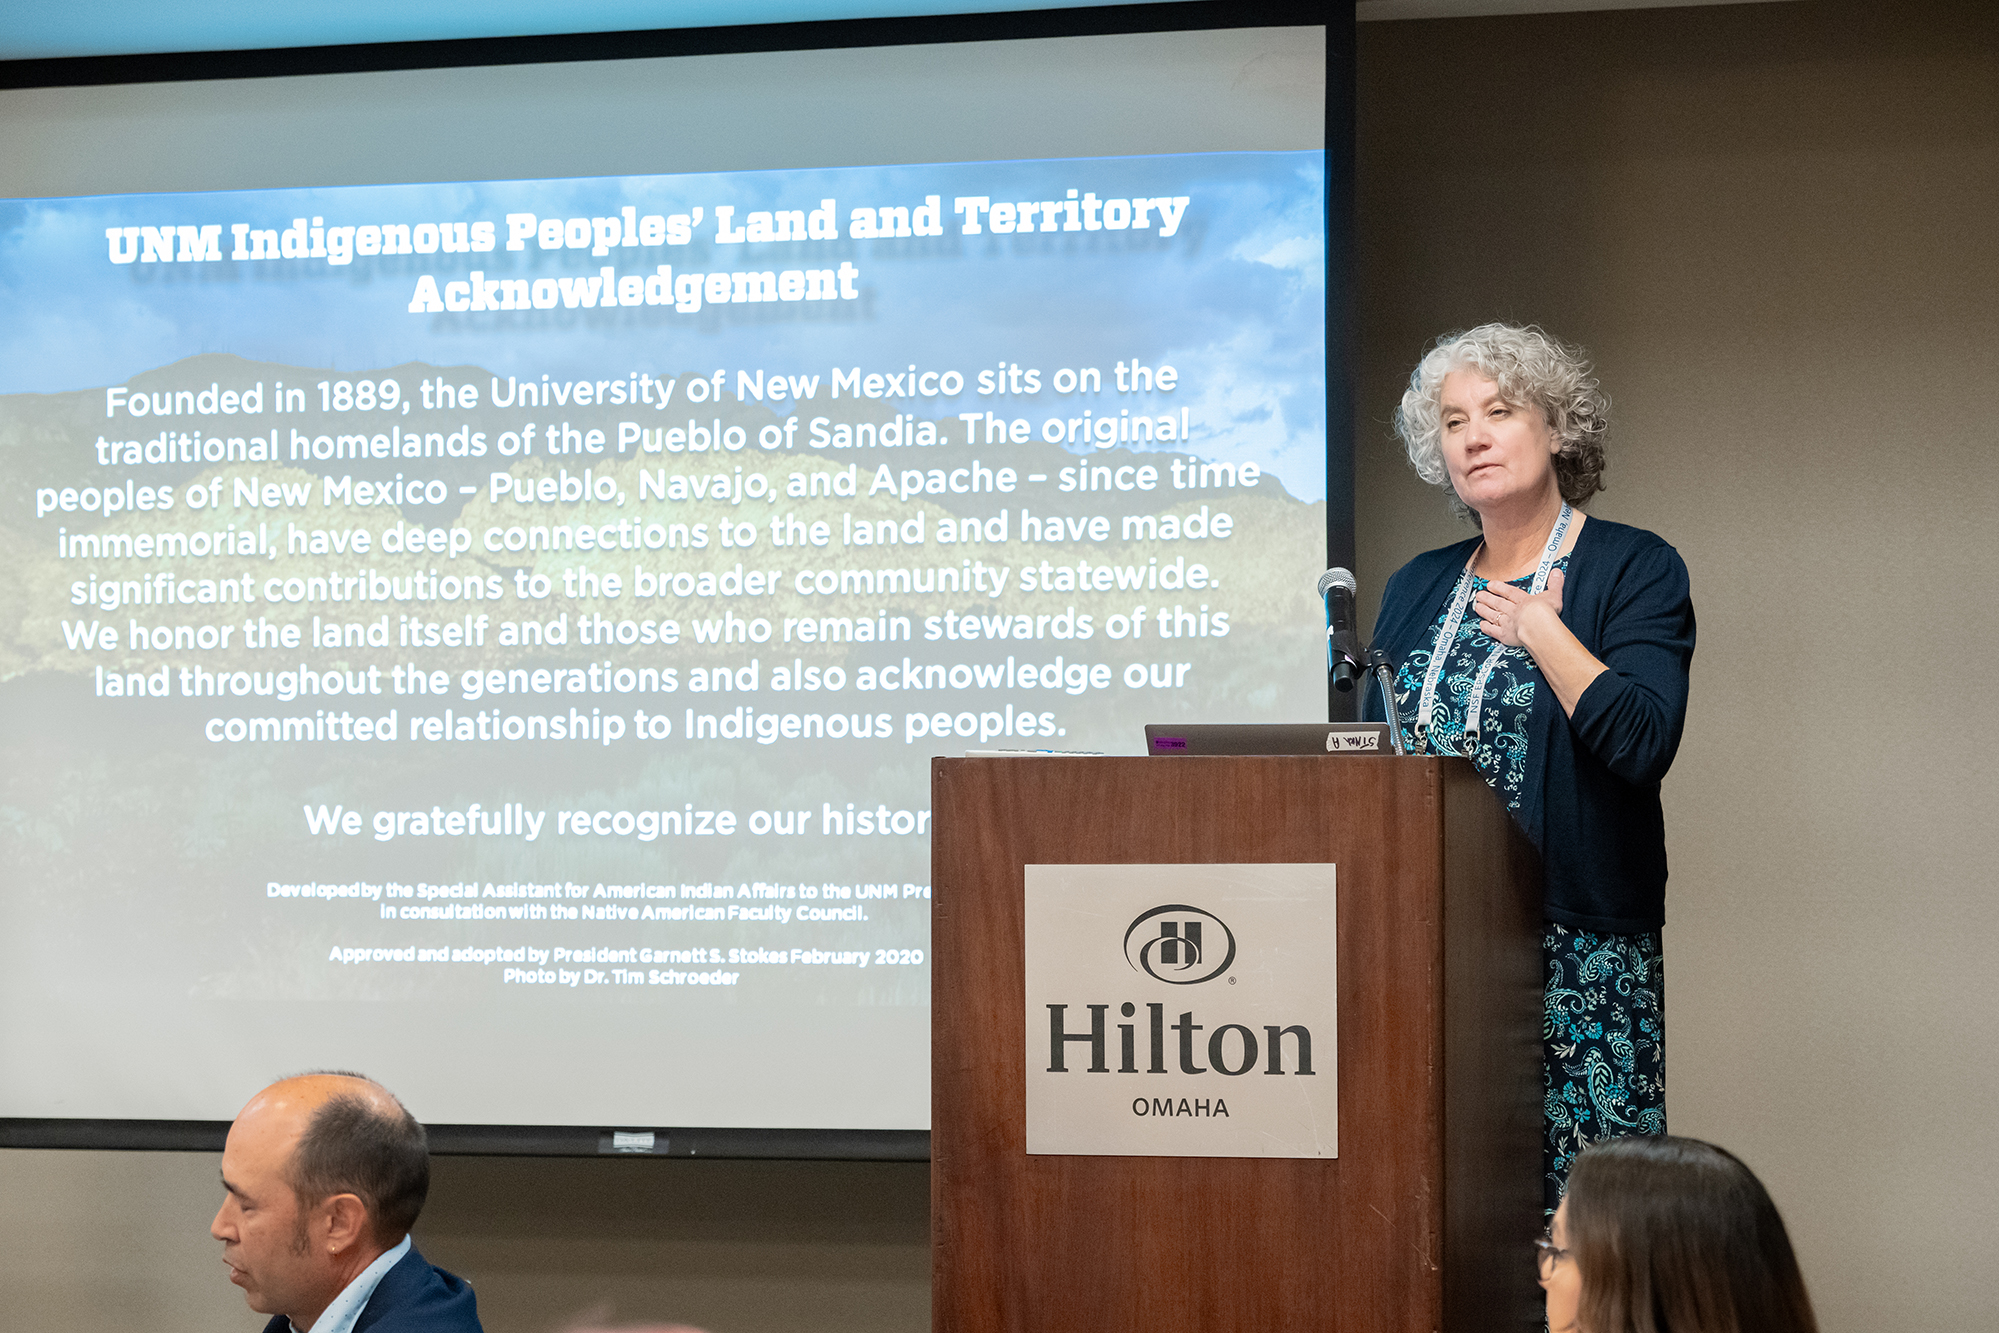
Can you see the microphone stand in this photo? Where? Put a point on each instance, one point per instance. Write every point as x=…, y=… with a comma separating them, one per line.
x=1384, y=674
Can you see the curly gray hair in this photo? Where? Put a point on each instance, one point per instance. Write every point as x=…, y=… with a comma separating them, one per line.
x=1531, y=368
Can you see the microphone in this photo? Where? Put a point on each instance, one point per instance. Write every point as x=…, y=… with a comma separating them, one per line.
x=1343, y=646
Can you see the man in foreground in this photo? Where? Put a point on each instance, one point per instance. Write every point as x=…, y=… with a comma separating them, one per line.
x=324, y=1175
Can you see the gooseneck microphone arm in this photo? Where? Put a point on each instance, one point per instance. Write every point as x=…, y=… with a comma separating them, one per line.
x=1384, y=675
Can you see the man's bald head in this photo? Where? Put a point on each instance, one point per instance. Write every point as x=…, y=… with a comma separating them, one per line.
x=344, y=1133
x=286, y=1107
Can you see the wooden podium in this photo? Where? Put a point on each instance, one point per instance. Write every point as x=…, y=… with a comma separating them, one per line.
x=1426, y=1218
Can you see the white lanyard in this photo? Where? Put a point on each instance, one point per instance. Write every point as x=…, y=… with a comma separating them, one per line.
x=1448, y=634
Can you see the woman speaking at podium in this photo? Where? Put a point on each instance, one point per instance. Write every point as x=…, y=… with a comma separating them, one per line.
x=1552, y=651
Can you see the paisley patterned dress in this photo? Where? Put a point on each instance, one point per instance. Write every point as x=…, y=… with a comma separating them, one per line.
x=1603, y=1037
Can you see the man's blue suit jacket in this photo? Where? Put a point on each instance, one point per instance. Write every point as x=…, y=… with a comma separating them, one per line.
x=413, y=1297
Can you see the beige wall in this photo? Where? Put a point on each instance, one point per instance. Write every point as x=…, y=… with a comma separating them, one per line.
x=1775, y=226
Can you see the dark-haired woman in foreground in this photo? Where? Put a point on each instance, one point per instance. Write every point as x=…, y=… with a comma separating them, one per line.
x=1552, y=651
x=1666, y=1235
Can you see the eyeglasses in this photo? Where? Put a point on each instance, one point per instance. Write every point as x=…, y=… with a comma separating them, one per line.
x=1546, y=1255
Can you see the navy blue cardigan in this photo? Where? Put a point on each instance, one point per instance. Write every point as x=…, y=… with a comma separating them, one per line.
x=1590, y=797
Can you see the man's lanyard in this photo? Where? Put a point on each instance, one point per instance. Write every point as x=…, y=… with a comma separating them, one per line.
x=1448, y=635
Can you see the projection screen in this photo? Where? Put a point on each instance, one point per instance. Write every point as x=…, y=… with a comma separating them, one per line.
x=493, y=551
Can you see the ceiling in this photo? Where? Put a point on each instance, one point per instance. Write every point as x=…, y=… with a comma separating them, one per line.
x=32, y=29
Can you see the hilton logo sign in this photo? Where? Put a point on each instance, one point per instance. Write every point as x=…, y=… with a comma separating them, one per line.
x=1177, y=947
x=1182, y=1010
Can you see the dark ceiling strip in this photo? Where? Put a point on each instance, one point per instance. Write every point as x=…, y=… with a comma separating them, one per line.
x=1163, y=16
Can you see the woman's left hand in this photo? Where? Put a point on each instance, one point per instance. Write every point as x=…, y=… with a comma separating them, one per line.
x=1503, y=609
